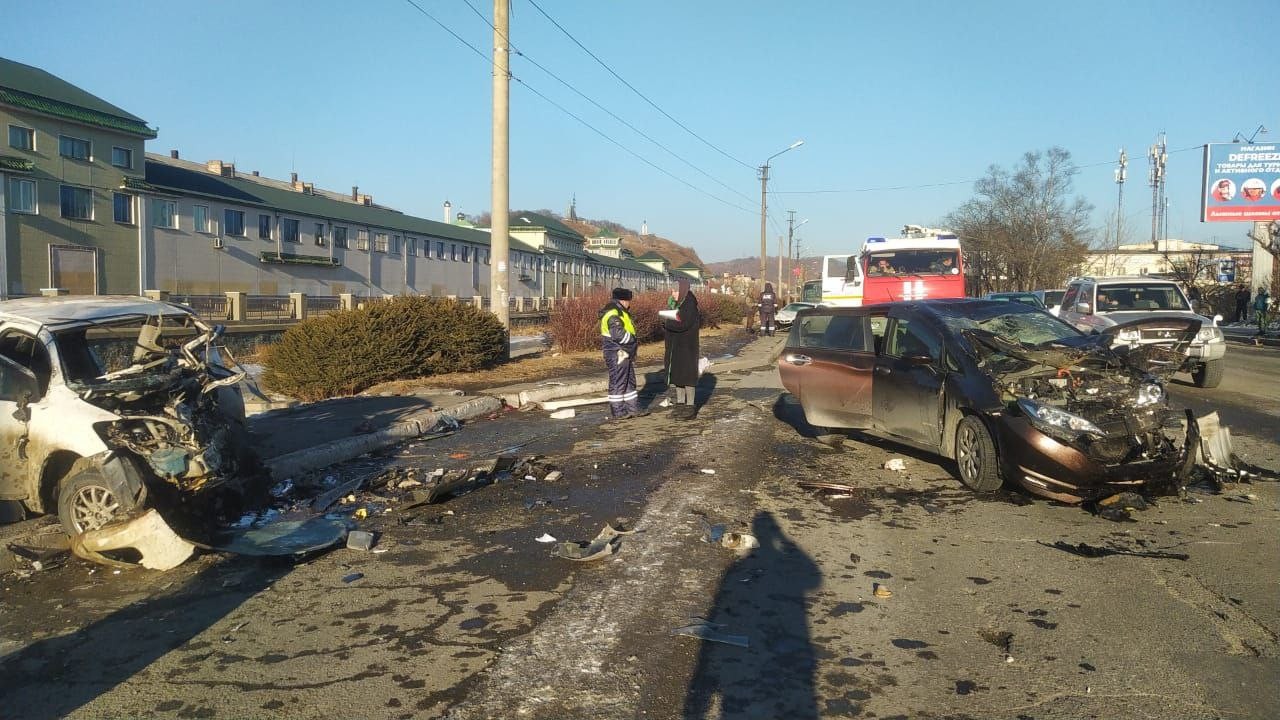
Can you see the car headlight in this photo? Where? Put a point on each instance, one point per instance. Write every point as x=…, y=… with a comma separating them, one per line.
x=1209, y=334
x=1131, y=335
x=1149, y=394
x=1055, y=419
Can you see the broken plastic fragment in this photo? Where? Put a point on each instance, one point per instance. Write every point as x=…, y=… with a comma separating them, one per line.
x=897, y=464
x=360, y=540
x=564, y=414
x=708, y=471
x=545, y=538
x=881, y=591
x=605, y=543
x=286, y=537
x=703, y=630
x=159, y=546
x=352, y=577
x=739, y=541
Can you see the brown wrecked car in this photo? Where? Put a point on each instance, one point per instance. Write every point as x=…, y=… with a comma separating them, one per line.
x=1004, y=389
x=109, y=405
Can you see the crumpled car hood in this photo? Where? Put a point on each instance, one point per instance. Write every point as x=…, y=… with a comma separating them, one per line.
x=1163, y=354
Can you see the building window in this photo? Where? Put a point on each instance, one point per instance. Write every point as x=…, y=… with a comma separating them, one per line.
x=233, y=222
x=411, y=246
x=320, y=234
x=164, y=214
x=200, y=218
x=22, y=195
x=264, y=227
x=123, y=205
x=122, y=157
x=340, y=238
x=440, y=250
x=453, y=251
x=395, y=244
x=77, y=203
x=21, y=138
x=362, y=240
x=289, y=230
x=380, y=242
x=466, y=253
x=73, y=148
x=486, y=256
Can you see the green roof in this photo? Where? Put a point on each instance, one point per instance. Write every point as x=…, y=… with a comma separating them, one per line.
x=623, y=263
x=689, y=266
x=175, y=177
x=524, y=219
x=652, y=255
x=31, y=88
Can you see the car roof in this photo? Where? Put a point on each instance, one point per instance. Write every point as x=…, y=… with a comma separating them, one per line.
x=1123, y=279
x=73, y=310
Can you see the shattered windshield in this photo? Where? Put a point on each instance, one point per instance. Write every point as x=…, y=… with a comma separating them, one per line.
x=138, y=343
x=1013, y=323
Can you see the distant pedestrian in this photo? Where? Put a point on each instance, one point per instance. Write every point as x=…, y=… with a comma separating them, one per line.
x=1242, y=303
x=1261, y=303
x=768, y=304
x=682, y=338
x=619, y=343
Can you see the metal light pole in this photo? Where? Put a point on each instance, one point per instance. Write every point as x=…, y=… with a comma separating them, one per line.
x=764, y=206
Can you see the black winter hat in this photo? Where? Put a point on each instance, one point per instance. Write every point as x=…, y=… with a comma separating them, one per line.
x=622, y=294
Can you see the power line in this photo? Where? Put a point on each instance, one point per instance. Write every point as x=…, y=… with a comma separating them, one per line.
x=885, y=188
x=586, y=124
x=633, y=89
x=606, y=110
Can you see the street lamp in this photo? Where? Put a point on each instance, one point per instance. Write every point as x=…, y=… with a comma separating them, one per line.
x=764, y=205
x=1262, y=130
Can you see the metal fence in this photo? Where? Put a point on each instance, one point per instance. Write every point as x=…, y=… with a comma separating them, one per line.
x=268, y=307
x=209, y=307
x=323, y=304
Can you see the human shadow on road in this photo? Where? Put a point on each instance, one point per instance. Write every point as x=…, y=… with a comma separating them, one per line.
x=762, y=596
x=54, y=677
x=705, y=388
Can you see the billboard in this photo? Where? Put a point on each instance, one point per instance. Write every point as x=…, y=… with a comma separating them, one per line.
x=1241, y=183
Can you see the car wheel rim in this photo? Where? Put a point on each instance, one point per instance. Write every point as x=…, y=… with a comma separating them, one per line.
x=968, y=454
x=93, y=507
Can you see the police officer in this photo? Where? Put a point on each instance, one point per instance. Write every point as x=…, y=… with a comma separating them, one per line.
x=618, y=339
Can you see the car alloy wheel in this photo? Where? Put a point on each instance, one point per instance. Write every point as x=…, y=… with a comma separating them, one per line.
x=92, y=507
x=976, y=456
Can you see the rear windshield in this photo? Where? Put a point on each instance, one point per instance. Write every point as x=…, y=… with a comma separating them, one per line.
x=1140, y=296
x=1053, y=297
x=912, y=262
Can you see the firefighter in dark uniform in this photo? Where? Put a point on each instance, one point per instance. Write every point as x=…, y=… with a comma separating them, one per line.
x=618, y=339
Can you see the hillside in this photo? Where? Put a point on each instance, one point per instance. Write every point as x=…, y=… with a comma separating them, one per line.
x=750, y=266
x=674, y=252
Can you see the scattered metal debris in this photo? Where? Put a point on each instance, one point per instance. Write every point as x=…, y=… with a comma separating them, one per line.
x=833, y=486
x=1094, y=551
x=605, y=543
x=703, y=629
x=360, y=540
x=286, y=537
x=1121, y=506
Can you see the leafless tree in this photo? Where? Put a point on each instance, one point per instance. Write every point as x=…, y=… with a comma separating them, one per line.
x=1023, y=230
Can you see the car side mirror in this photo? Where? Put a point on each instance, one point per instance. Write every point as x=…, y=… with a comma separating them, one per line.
x=1217, y=319
x=918, y=360
x=1083, y=308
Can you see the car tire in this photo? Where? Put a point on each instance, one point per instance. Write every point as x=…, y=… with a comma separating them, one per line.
x=87, y=500
x=976, y=456
x=1209, y=374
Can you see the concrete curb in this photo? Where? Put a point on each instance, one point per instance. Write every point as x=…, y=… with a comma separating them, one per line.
x=314, y=458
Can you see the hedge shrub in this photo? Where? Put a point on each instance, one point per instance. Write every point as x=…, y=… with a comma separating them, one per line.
x=719, y=309
x=349, y=351
x=575, y=323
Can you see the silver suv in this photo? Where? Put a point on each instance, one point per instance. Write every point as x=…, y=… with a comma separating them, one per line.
x=1099, y=304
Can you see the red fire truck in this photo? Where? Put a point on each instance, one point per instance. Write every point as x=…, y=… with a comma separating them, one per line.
x=922, y=264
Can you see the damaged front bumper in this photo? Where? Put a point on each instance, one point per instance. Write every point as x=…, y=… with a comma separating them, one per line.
x=1051, y=468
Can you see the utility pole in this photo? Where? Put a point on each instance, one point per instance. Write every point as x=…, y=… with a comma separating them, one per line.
x=1122, y=174
x=791, y=233
x=781, y=255
x=1157, y=157
x=764, y=214
x=500, y=207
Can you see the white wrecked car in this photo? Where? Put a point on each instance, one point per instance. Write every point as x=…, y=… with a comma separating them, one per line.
x=111, y=404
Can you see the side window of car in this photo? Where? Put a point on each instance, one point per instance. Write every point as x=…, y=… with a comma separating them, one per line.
x=910, y=338
x=809, y=332
x=28, y=352
x=1086, y=297
x=847, y=332
x=1069, y=298
x=879, y=324
x=16, y=382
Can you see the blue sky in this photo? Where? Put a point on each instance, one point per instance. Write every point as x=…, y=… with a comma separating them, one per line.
x=884, y=94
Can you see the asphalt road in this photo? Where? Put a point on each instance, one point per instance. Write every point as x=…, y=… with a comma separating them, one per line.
x=465, y=615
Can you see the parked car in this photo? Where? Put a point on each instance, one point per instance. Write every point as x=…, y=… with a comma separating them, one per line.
x=787, y=315
x=110, y=403
x=1026, y=298
x=1051, y=299
x=1099, y=303
x=1004, y=389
